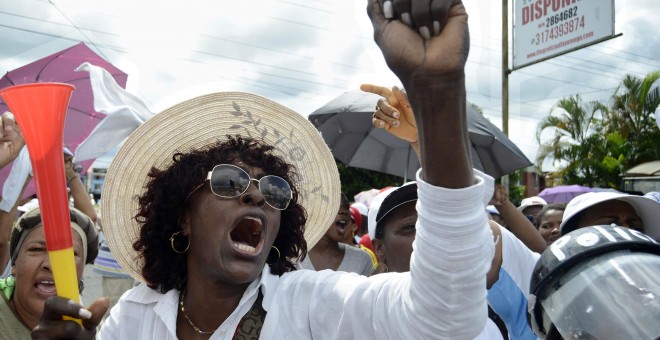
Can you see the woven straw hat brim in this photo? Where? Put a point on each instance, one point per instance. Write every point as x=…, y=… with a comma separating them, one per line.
x=197, y=123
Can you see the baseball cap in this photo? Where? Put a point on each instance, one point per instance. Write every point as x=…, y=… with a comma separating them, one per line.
x=356, y=216
x=530, y=202
x=647, y=209
x=388, y=200
x=363, y=211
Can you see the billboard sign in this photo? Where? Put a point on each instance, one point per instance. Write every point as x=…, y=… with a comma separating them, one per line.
x=546, y=28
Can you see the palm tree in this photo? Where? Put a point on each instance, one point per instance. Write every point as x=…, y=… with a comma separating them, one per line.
x=573, y=122
x=632, y=116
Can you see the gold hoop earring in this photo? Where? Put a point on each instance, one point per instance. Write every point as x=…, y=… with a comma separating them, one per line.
x=172, y=243
x=278, y=255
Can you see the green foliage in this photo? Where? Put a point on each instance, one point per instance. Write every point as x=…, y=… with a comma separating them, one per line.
x=598, y=142
x=516, y=189
x=355, y=180
x=610, y=163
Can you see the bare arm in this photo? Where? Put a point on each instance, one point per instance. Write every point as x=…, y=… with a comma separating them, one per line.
x=11, y=142
x=453, y=245
x=79, y=193
x=11, y=139
x=432, y=71
x=7, y=220
x=518, y=224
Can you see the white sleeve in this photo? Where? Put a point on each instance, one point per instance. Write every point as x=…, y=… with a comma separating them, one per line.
x=110, y=329
x=442, y=297
x=453, y=250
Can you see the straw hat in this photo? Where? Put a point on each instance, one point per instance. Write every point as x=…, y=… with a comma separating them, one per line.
x=198, y=122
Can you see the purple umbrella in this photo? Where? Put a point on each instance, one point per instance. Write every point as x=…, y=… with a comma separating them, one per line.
x=60, y=67
x=563, y=193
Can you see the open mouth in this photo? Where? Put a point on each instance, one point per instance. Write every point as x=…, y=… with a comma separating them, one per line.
x=340, y=226
x=46, y=287
x=247, y=234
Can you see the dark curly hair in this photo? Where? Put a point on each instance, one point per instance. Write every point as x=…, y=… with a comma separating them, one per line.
x=164, y=203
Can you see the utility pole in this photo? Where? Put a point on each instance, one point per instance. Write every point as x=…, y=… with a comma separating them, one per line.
x=505, y=76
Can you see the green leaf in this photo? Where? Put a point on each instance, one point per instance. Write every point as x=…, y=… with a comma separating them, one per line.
x=610, y=163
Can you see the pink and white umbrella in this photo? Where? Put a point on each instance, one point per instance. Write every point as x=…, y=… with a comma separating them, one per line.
x=81, y=118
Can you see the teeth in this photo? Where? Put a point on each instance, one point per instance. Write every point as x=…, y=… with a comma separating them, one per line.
x=253, y=219
x=245, y=247
x=47, y=282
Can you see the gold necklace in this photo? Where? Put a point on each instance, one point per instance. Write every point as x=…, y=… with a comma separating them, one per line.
x=183, y=310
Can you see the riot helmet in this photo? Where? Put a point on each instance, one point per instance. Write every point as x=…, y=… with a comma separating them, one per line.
x=599, y=282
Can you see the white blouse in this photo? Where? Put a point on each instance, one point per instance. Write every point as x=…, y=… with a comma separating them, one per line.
x=443, y=295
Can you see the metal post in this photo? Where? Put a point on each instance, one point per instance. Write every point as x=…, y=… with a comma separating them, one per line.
x=505, y=77
x=505, y=67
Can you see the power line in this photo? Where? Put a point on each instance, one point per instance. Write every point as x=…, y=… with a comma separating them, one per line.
x=78, y=29
x=201, y=35
x=125, y=51
x=633, y=54
x=275, y=50
x=556, y=62
x=308, y=7
x=585, y=50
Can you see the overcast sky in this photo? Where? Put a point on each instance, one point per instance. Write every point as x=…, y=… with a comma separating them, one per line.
x=304, y=53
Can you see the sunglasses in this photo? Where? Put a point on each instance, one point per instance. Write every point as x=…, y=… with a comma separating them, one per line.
x=229, y=181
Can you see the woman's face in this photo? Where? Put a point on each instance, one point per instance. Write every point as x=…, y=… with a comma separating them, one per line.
x=395, y=248
x=339, y=228
x=34, y=276
x=614, y=211
x=549, y=225
x=230, y=238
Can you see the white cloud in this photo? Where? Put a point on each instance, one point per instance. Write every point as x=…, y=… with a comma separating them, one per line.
x=304, y=53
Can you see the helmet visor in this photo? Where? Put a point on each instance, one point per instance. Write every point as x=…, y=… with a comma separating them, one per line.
x=613, y=296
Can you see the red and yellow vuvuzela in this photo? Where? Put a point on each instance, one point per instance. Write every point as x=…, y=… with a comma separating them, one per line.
x=40, y=110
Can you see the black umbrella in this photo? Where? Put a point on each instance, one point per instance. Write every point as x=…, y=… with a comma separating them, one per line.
x=345, y=124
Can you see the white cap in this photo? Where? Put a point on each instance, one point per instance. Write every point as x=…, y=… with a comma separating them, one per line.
x=31, y=204
x=388, y=200
x=361, y=208
x=530, y=202
x=647, y=209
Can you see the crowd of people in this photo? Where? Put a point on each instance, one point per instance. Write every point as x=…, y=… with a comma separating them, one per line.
x=218, y=224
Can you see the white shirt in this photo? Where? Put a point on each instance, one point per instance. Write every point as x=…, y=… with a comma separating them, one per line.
x=443, y=295
x=508, y=296
x=355, y=260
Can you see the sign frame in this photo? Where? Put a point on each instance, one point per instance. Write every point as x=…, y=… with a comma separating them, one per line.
x=545, y=28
